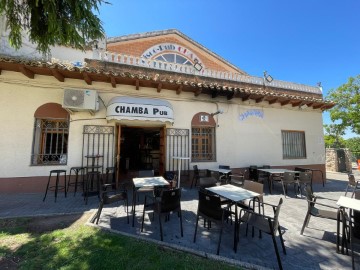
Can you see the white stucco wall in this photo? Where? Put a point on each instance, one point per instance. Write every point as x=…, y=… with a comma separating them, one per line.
x=240, y=142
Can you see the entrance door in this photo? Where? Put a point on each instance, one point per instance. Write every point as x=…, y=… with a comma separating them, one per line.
x=341, y=160
x=140, y=148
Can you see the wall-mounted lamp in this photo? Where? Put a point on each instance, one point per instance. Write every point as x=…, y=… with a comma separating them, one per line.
x=198, y=66
x=268, y=77
x=217, y=112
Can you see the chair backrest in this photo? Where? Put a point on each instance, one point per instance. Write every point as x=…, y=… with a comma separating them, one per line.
x=196, y=170
x=288, y=177
x=210, y=205
x=146, y=173
x=299, y=169
x=276, y=216
x=351, y=178
x=305, y=177
x=265, y=167
x=226, y=167
x=253, y=172
x=109, y=176
x=172, y=177
x=205, y=182
x=255, y=187
x=170, y=200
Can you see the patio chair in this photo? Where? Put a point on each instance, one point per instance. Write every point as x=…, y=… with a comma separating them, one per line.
x=172, y=178
x=325, y=211
x=211, y=210
x=263, y=176
x=110, y=197
x=253, y=172
x=197, y=175
x=237, y=179
x=352, y=183
x=289, y=179
x=225, y=177
x=169, y=201
x=255, y=187
x=304, y=179
x=267, y=224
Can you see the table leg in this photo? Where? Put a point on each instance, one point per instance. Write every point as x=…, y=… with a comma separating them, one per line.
x=236, y=236
x=133, y=206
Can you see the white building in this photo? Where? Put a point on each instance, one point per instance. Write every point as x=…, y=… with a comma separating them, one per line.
x=143, y=100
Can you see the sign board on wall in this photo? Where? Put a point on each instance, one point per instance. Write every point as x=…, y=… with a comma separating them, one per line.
x=129, y=108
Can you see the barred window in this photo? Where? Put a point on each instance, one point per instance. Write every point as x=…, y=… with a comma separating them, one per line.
x=203, y=138
x=50, y=141
x=293, y=143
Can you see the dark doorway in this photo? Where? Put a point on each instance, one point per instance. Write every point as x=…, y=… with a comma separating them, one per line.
x=140, y=149
x=341, y=160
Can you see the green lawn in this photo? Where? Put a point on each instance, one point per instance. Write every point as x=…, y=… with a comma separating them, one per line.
x=25, y=245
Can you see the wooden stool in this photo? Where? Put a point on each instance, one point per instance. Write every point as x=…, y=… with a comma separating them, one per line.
x=56, y=187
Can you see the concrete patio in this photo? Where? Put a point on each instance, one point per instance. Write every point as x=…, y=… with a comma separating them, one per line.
x=316, y=249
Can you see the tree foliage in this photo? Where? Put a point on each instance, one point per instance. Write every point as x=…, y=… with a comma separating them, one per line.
x=333, y=135
x=52, y=22
x=354, y=145
x=347, y=110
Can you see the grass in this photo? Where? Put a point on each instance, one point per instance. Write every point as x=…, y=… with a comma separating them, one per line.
x=27, y=244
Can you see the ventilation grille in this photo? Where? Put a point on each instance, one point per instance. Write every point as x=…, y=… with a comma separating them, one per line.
x=81, y=100
x=74, y=98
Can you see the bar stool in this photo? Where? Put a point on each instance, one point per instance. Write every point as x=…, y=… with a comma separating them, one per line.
x=77, y=172
x=56, y=187
x=89, y=180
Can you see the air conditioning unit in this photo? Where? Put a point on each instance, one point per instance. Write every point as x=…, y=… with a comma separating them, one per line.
x=81, y=100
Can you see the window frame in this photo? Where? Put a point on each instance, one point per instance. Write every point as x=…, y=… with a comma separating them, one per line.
x=203, y=150
x=292, y=145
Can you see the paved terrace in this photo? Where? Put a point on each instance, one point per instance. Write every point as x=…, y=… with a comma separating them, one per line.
x=316, y=249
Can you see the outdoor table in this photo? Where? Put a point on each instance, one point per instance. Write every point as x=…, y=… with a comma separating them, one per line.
x=235, y=194
x=142, y=182
x=180, y=159
x=274, y=171
x=353, y=205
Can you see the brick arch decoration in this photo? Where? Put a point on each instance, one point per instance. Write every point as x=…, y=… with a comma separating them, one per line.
x=51, y=110
x=171, y=47
x=203, y=119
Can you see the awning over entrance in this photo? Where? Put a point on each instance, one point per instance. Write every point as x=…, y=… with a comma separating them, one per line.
x=129, y=108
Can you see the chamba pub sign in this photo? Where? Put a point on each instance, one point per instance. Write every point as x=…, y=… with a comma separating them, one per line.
x=139, y=109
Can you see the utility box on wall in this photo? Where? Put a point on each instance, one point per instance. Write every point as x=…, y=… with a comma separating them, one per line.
x=338, y=160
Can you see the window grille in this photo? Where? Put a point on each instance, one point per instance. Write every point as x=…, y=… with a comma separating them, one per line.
x=203, y=144
x=50, y=142
x=293, y=144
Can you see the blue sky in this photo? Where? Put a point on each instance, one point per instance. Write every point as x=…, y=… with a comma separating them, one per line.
x=305, y=41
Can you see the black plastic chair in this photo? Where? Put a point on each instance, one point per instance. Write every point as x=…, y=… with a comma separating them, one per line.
x=267, y=224
x=253, y=172
x=172, y=178
x=110, y=197
x=169, y=201
x=196, y=177
x=325, y=211
x=304, y=179
x=211, y=210
x=289, y=179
